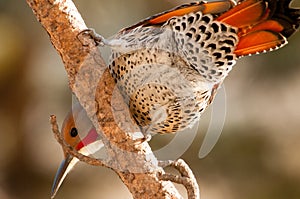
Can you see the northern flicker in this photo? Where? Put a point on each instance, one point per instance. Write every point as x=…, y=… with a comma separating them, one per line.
x=169, y=66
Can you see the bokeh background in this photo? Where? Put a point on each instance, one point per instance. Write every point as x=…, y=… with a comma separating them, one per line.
x=257, y=155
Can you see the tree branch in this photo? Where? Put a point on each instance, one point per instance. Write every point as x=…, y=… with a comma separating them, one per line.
x=95, y=89
x=186, y=177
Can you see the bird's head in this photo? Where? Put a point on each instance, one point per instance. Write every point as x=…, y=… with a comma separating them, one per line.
x=79, y=133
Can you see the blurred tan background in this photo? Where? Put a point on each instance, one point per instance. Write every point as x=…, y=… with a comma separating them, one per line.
x=257, y=156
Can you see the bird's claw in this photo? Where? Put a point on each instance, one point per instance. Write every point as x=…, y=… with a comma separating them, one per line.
x=98, y=39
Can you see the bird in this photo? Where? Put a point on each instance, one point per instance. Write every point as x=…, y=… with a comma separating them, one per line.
x=169, y=66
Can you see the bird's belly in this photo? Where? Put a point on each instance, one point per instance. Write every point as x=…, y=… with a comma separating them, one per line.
x=164, y=94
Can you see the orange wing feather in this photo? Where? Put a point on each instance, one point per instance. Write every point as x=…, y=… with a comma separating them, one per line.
x=259, y=41
x=270, y=25
x=215, y=7
x=244, y=14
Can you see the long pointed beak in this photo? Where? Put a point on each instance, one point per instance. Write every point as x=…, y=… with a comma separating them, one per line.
x=65, y=167
x=69, y=162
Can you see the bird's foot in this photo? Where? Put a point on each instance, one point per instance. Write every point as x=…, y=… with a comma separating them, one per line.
x=98, y=39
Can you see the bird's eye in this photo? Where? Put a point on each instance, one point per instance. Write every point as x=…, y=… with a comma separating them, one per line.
x=73, y=132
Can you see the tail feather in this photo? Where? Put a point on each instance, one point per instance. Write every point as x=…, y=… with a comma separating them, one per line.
x=259, y=41
x=288, y=17
x=263, y=25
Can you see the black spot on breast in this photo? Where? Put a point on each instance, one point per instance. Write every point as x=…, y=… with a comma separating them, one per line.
x=175, y=128
x=183, y=24
x=206, y=19
x=177, y=28
x=197, y=16
x=205, y=52
x=215, y=27
x=193, y=29
x=219, y=63
x=229, y=57
x=223, y=28
x=213, y=46
x=192, y=114
x=191, y=19
x=232, y=30
x=198, y=37
x=189, y=34
x=217, y=55
x=226, y=49
x=182, y=42
x=208, y=35
x=202, y=28
x=229, y=42
x=190, y=45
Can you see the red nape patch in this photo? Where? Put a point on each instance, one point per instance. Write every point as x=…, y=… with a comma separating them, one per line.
x=91, y=137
